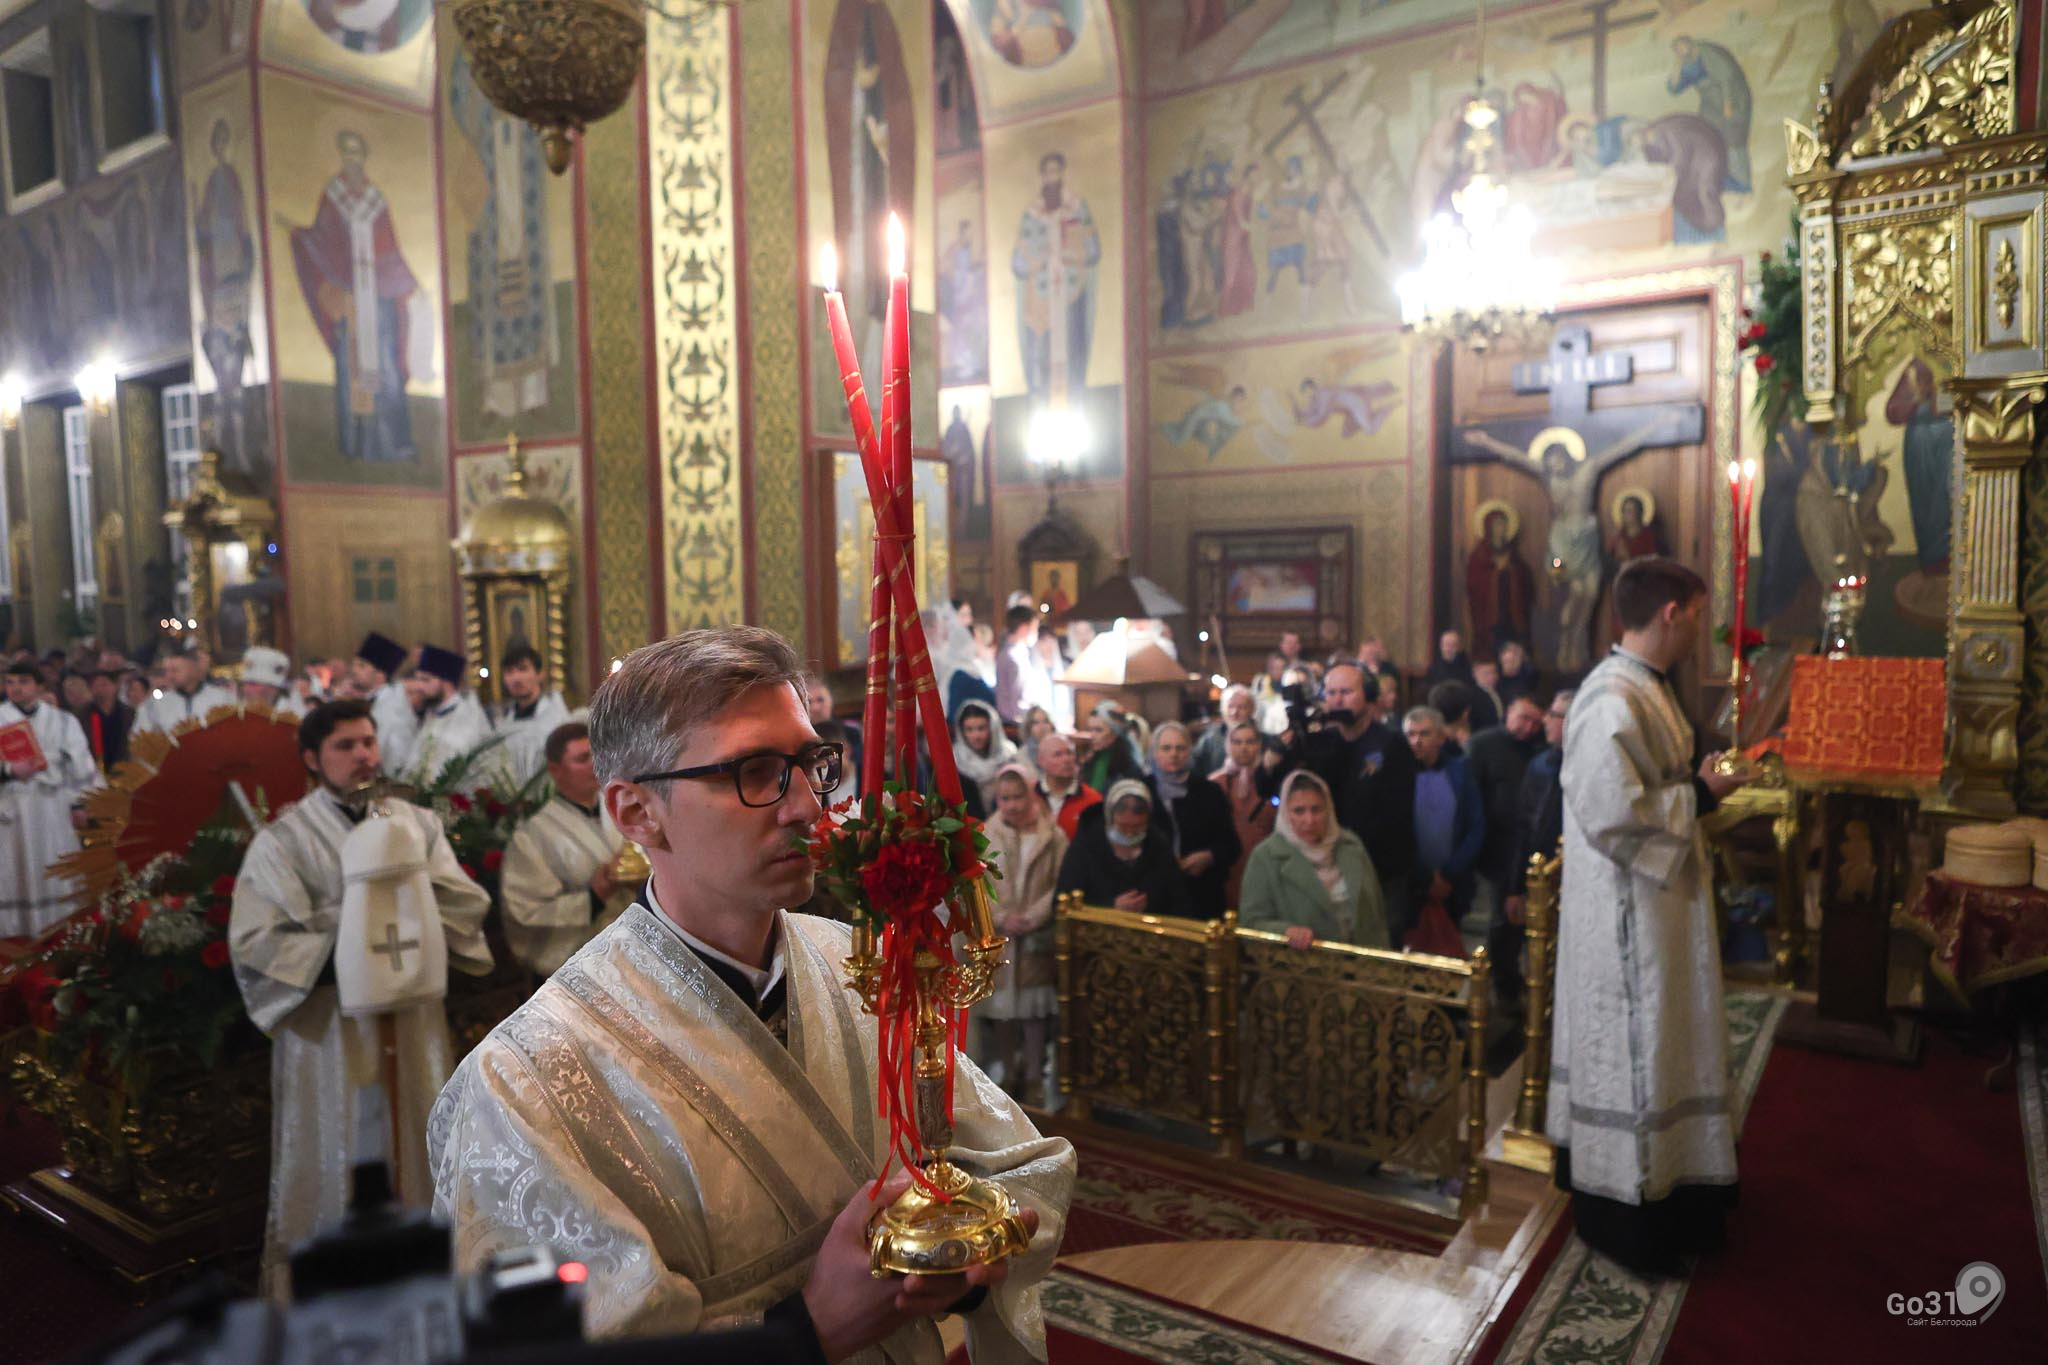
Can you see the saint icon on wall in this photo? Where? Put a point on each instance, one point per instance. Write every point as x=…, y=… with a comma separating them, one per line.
x=1054, y=261
x=870, y=134
x=227, y=264
x=361, y=294
x=369, y=27
x=1499, y=588
x=1635, y=526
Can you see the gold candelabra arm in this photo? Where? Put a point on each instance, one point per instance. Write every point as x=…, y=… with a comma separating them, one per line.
x=864, y=968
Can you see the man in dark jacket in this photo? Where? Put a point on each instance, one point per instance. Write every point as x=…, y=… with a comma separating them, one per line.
x=1367, y=766
x=1499, y=759
x=106, y=718
x=1450, y=824
x=1539, y=825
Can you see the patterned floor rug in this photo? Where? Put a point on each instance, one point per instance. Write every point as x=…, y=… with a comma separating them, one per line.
x=1588, y=1309
x=2033, y=1068
x=1125, y=1197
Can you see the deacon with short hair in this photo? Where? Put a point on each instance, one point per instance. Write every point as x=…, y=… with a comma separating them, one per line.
x=687, y=1106
x=186, y=694
x=453, y=724
x=1639, y=1098
x=307, y=954
x=557, y=874
x=36, y=828
x=527, y=717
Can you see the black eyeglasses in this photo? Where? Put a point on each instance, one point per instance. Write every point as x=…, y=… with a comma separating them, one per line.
x=763, y=779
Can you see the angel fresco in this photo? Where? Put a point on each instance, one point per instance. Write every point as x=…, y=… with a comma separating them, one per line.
x=1216, y=418
x=1363, y=407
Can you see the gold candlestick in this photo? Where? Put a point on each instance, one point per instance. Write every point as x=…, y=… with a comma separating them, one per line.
x=969, y=1221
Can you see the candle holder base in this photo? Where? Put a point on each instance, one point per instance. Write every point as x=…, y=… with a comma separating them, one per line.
x=1735, y=763
x=920, y=1234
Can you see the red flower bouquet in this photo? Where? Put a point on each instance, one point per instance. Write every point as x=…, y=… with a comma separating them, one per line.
x=898, y=857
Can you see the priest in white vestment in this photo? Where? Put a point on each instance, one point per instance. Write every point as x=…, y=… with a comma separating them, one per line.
x=36, y=827
x=190, y=696
x=688, y=1105
x=284, y=935
x=454, y=724
x=530, y=713
x=1639, y=1094
x=557, y=872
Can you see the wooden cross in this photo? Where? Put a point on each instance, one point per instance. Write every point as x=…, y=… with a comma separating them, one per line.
x=1305, y=119
x=1569, y=376
x=1598, y=31
x=394, y=947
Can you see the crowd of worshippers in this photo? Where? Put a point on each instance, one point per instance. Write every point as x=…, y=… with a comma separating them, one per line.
x=1320, y=803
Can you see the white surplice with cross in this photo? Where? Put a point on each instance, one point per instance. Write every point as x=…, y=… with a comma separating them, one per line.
x=287, y=909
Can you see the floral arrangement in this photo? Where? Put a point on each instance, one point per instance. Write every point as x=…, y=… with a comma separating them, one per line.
x=141, y=983
x=897, y=858
x=1771, y=339
x=480, y=822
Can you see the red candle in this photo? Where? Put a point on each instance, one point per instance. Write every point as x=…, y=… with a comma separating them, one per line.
x=849, y=359
x=1741, y=495
x=896, y=459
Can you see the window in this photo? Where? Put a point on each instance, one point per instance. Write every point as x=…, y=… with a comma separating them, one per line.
x=127, y=74
x=376, y=581
x=28, y=112
x=181, y=467
x=85, y=586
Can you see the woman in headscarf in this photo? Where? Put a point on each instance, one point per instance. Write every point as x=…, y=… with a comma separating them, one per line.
x=1243, y=779
x=1035, y=726
x=980, y=748
x=1314, y=881
x=1017, y=1016
x=1121, y=861
x=1111, y=756
x=1195, y=817
x=954, y=669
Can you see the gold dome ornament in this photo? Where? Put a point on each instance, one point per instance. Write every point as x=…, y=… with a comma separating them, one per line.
x=558, y=64
x=515, y=557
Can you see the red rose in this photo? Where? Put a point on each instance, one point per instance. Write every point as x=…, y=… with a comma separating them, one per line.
x=906, y=879
x=469, y=871
x=493, y=808
x=1764, y=364
x=38, y=987
x=457, y=801
x=224, y=885
x=219, y=915
x=131, y=928
x=493, y=859
x=215, y=954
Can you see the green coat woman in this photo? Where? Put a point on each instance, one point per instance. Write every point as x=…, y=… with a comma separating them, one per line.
x=1313, y=880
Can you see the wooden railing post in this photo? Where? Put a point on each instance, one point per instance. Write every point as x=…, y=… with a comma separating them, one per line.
x=1226, y=1122
x=1481, y=986
x=1063, y=959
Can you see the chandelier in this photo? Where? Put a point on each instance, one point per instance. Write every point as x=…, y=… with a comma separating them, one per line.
x=1480, y=279
x=558, y=64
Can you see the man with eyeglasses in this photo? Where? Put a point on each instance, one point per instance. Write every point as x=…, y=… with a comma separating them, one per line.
x=687, y=1105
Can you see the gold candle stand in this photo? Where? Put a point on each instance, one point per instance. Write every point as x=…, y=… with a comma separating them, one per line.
x=971, y=1221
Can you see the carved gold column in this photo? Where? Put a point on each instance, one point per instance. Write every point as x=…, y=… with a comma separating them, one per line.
x=1995, y=426
x=1524, y=1141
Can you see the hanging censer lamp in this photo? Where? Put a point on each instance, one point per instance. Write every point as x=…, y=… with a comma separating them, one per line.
x=905, y=856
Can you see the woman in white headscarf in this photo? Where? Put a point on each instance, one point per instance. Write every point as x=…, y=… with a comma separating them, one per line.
x=1015, y=1023
x=953, y=663
x=1315, y=881
x=980, y=748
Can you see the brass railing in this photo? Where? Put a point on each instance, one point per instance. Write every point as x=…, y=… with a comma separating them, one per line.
x=1523, y=1142
x=1146, y=1020
x=1375, y=1053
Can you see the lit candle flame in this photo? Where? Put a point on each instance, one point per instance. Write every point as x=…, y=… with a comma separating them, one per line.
x=1735, y=471
x=898, y=251
x=828, y=267
x=1749, y=471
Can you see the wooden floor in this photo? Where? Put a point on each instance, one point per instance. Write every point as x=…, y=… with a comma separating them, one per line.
x=1363, y=1302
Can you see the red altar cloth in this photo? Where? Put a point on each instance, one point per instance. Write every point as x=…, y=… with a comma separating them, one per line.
x=1979, y=936
x=1871, y=717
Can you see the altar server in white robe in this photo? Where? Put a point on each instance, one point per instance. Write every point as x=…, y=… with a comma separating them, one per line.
x=284, y=937
x=1639, y=1097
x=557, y=874
x=454, y=724
x=373, y=676
x=36, y=826
x=687, y=1106
x=189, y=696
x=267, y=680
x=529, y=714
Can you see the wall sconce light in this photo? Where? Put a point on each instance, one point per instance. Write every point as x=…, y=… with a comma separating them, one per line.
x=95, y=385
x=1056, y=435
x=10, y=403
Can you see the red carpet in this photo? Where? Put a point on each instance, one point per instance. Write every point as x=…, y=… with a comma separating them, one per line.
x=1860, y=1181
